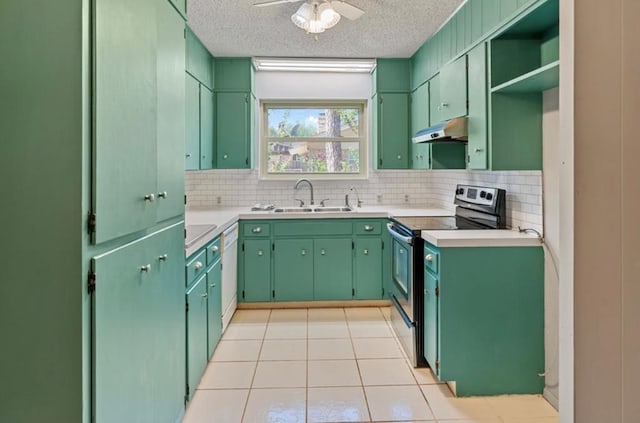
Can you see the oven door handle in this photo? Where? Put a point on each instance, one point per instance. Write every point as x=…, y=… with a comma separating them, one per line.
x=402, y=313
x=399, y=237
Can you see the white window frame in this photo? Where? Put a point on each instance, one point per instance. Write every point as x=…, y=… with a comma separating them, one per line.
x=362, y=139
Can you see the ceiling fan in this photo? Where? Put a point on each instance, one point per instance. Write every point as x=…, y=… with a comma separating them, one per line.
x=314, y=16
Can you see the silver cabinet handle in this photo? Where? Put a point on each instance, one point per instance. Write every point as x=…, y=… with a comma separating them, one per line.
x=163, y=257
x=214, y=249
x=256, y=230
x=149, y=197
x=479, y=150
x=323, y=252
x=401, y=251
x=213, y=285
x=145, y=268
x=368, y=228
x=198, y=265
x=429, y=257
x=205, y=295
x=303, y=252
x=188, y=155
x=366, y=252
x=162, y=194
x=260, y=252
x=443, y=105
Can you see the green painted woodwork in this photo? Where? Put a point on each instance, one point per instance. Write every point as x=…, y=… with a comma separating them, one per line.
x=430, y=326
x=490, y=15
x=392, y=75
x=214, y=306
x=332, y=269
x=434, y=100
x=213, y=251
x=138, y=330
x=125, y=117
x=550, y=46
x=192, y=134
x=256, y=229
x=233, y=121
x=476, y=19
x=507, y=9
x=313, y=227
x=234, y=74
x=511, y=58
x=171, y=112
x=293, y=269
x=206, y=128
x=199, y=60
x=453, y=89
x=432, y=258
x=538, y=80
x=496, y=319
x=368, y=227
x=195, y=267
x=392, y=121
x=181, y=6
x=256, y=270
x=420, y=120
x=446, y=52
x=477, y=118
x=448, y=155
x=368, y=266
x=196, y=361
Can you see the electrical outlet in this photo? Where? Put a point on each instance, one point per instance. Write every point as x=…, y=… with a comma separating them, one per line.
x=379, y=198
x=218, y=200
x=406, y=198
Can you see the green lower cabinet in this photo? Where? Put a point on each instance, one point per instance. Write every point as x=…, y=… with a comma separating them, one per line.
x=214, y=307
x=368, y=268
x=293, y=265
x=196, y=334
x=333, y=264
x=256, y=270
x=431, y=320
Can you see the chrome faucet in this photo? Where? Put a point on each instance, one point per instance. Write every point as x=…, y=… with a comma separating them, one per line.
x=299, y=181
x=357, y=196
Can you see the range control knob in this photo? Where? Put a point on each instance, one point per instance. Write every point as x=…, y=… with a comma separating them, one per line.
x=489, y=196
x=483, y=194
x=460, y=191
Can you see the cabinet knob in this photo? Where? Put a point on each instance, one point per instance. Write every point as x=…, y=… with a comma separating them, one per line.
x=479, y=150
x=443, y=105
x=260, y=253
x=256, y=230
x=323, y=252
x=145, y=268
x=149, y=197
x=163, y=257
x=401, y=251
x=368, y=228
x=198, y=265
x=366, y=252
x=303, y=252
x=225, y=156
x=429, y=257
x=214, y=249
x=399, y=157
x=188, y=155
x=213, y=285
x=162, y=194
x=205, y=295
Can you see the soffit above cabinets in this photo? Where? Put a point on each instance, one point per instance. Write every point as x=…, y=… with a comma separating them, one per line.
x=388, y=28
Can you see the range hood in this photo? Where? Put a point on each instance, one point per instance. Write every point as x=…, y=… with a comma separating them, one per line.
x=454, y=130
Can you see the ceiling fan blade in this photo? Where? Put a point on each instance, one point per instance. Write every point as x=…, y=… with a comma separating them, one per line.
x=345, y=9
x=271, y=3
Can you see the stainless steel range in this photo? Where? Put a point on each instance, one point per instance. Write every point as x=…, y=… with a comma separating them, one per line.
x=476, y=208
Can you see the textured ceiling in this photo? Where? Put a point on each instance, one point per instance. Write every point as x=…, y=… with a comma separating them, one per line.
x=389, y=28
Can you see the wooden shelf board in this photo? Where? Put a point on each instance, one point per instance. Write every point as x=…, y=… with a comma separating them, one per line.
x=538, y=80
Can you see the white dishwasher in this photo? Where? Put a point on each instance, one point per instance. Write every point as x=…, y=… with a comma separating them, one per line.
x=229, y=274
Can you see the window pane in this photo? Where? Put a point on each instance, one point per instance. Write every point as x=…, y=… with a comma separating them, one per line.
x=315, y=157
x=313, y=122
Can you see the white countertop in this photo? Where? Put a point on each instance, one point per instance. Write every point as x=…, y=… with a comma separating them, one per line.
x=481, y=238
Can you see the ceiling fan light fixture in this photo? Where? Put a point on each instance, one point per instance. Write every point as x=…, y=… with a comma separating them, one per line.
x=315, y=18
x=303, y=16
x=328, y=16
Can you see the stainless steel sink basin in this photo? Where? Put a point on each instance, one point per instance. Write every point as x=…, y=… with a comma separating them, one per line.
x=312, y=209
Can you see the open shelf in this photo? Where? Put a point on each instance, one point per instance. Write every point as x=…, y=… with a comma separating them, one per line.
x=538, y=80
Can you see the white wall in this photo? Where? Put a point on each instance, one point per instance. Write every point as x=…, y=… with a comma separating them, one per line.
x=312, y=85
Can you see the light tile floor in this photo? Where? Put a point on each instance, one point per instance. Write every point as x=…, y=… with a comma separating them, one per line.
x=334, y=365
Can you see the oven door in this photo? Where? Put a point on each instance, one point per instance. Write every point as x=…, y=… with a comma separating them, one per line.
x=402, y=313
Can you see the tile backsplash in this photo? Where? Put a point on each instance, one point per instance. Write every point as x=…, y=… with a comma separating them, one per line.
x=243, y=188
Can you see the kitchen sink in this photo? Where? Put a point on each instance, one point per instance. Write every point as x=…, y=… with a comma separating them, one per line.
x=312, y=209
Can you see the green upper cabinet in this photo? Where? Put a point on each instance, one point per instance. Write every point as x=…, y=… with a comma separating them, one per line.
x=293, y=266
x=192, y=133
x=453, y=89
x=234, y=74
x=333, y=264
x=171, y=113
x=199, y=60
x=206, y=128
x=477, y=117
x=392, y=126
x=391, y=75
x=434, y=100
x=233, y=131
x=181, y=6
x=419, y=120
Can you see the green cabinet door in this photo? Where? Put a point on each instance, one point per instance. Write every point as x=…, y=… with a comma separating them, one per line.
x=453, y=89
x=124, y=150
x=234, y=74
x=232, y=130
x=256, y=270
x=138, y=330
x=206, y=128
x=368, y=268
x=171, y=113
x=293, y=266
x=419, y=120
x=477, y=118
x=199, y=61
x=434, y=100
x=333, y=269
x=192, y=134
x=393, y=131
x=214, y=307
x=196, y=334
x=431, y=320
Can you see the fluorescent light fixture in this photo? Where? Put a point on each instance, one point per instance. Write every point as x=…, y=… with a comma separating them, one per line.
x=314, y=65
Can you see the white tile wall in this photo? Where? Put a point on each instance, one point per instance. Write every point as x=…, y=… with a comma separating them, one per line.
x=243, y=188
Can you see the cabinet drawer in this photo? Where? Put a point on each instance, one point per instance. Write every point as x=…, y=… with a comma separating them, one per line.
x=431, y=258
x=313, y=227
x=367, y=228
x=262, y=230
x=213, y=251
x=196, y=266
